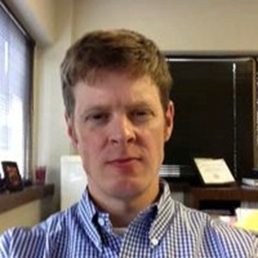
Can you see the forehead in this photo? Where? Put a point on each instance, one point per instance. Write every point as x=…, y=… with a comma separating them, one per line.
x=117, y=88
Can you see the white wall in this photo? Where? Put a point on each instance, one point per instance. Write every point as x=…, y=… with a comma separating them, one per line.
x=50, y=140
x=38, y=17
x=178, y=26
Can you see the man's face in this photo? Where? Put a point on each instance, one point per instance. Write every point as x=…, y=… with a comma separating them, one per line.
x=119, y=129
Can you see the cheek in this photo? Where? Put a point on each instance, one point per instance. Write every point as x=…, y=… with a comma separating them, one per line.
x=89, y=144
x=160, y=132
x=155, y=140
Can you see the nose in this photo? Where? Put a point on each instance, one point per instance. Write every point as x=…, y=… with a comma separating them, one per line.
x=122, y=130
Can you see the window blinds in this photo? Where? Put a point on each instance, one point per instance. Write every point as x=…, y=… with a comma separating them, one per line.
x=15, y=92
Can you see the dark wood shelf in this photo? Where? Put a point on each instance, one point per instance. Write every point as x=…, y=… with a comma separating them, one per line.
x=179, y=186
x=11, y=200
x=213, y=194
x=195, y=196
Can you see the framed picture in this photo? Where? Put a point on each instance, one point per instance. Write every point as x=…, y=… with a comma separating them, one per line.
x=13, y=181
x=214, y=171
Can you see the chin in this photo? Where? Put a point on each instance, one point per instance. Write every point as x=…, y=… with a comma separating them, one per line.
x=127, y=188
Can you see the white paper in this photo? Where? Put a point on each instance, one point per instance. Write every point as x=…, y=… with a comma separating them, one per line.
x=214, y=171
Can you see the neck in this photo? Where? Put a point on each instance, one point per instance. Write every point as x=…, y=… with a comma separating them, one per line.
x=123, y=211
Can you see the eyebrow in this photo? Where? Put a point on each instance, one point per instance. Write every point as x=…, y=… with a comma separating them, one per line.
x=107, y=107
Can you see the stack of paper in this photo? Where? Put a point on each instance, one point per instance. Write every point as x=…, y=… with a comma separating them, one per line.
x=250, y=181
x=169, y=171
x=247, y=219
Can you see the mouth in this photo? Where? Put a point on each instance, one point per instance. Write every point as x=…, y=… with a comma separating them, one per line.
x=123, y=161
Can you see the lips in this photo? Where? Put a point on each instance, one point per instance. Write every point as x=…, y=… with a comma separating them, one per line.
x=123, y=161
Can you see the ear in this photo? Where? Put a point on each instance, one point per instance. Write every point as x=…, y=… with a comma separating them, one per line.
x=71, y=130
x=169, y=120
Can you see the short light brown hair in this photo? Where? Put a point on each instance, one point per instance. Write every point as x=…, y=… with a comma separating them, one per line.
x=122, y=51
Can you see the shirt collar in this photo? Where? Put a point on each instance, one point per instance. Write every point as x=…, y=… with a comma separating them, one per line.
x=165, y=211
x=162, y=210
x=87, y=213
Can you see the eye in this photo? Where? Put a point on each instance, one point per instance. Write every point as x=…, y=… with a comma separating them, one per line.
x=140, y=115
x=97, y=118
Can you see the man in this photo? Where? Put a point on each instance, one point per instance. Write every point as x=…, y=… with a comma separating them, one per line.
x=116, y=93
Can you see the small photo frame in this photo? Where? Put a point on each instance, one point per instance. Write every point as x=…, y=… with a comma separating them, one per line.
x=13, y=179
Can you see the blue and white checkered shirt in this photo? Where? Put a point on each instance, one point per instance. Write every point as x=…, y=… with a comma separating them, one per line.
x=166, y=229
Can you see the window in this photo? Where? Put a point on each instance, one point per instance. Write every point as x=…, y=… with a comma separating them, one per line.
x=16, y=55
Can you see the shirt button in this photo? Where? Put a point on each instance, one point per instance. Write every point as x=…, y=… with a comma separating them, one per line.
x=101, y=222
x=154, y=241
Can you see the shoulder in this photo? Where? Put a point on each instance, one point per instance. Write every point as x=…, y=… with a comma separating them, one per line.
x=215, y=234
x=31, y=241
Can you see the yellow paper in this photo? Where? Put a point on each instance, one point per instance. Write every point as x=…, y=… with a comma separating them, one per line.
x=247, y=219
